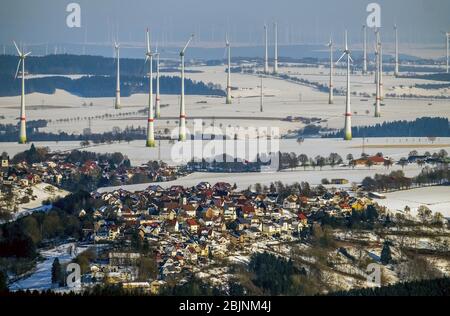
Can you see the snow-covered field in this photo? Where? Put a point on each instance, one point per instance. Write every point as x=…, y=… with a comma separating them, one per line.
x=42, y=191
x=244, y=180
x=138, y=154
x=41, y=279
x=435, y=198
x=282, y=99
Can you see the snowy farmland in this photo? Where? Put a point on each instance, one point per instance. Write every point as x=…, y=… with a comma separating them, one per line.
x=436, y=199
x=136, y=151
x=282, y=99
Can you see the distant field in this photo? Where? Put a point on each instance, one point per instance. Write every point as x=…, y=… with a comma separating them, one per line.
x=381, y=146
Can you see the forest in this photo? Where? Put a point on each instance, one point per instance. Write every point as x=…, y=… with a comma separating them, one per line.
x=421, y=127
x=80, y=65
x=103, y=86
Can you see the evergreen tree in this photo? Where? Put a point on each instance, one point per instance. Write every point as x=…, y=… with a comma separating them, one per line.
x=3, y=282
x=386, y=256
x=57, y=276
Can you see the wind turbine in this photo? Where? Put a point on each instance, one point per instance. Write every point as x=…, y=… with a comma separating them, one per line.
x=261, y=97
x=330, y=98
x=348, y=113
x=365, y=50
x=396, y=72
x=182, y=129
x=117, y=101
x=23, y=128
x=377, y=76
x=151, y=118
x=380, y=73
x=228, y=100
x=158, y=99
x=275, y=62
x=447, y=39
x=266, y=53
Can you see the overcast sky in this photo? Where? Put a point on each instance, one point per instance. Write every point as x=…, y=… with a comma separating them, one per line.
x=300, y=21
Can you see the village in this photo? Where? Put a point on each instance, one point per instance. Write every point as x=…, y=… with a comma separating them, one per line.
x=163, y=236
x=39, y=175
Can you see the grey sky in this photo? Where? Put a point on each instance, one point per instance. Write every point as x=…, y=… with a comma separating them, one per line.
x=308, y=21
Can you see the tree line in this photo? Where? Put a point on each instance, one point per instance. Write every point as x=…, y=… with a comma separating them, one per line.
x=104, y=86
x=421, y=127
x=397, y=180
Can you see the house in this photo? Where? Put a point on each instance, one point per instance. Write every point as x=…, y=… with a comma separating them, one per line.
x=4, y=160
x=172, y=226
x=190, y=210
x=339, y=181
x=290, y=202
x=270, y=228
x=376, y=160
x=192, y=225
x=155, y=286
x=236, y=238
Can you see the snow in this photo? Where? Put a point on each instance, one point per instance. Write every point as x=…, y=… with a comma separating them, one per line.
x=42, y=191
x=136, y=151
x=436, y=198
x=40, y=279
x=243, y=180
x=282, y=99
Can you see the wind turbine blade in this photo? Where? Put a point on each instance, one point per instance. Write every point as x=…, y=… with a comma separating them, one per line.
x=351, y=59
x=17, y=48
x=27, y=54
x=340, y=58
x=18, y=66
x=148, y=41
x=346, y=41
x=190, y=39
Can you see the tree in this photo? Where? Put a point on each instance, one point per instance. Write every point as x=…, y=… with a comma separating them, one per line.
x=413, y=153
x=3, y=282
x=350, y=158
x=320, y=162
x=303, y=159
x=443, y=153
x=57, y=275
x=424, y=213
x=386, y=256
x=403, y=162
x=31, y=228
x=84, y=143
x=387, y=163
x=369, y=163
x=438, y=218
x=334, y=159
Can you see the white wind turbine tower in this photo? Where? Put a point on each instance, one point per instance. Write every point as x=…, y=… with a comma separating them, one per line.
x=330, y=94
x=275, y=62
x=380, y=74
x=261, y=97
x=396, y=71
x=447, y=39
x=377, y=77
x=151, y=117
x=365, y=50
x=182, y=127
x=348, y=113
x=23, y=128
x=157, y=99
x=117, y=101
x=228, y=100
x=266, y=52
